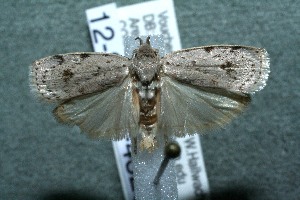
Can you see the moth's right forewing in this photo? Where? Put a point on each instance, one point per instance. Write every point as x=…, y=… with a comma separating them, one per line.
x=65, y=76
x=234, y=68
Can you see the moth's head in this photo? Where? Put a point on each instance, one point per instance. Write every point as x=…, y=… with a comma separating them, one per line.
x=145, y=51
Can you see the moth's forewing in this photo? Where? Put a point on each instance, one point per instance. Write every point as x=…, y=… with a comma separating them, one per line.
x=187, y=110
x=110, y=114
x=65, y=76
x=234, y=68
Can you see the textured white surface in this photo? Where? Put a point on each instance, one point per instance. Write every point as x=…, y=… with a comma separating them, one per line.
x=145, y=168
x=145, y=164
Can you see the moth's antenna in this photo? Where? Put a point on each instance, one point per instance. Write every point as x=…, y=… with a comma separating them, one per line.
x=148, y=40
x=138, y=38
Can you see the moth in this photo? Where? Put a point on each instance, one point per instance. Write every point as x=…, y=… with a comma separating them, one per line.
x=183, y=93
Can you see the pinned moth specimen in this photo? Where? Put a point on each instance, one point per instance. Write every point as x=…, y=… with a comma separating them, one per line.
x=183, y=93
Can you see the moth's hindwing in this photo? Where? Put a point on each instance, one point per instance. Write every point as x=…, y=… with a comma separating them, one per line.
x=110, y=114
x=64, y=76
x=188, y=110
x=234, y=68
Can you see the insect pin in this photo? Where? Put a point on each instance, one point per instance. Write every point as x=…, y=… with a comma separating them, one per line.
x=172, y=150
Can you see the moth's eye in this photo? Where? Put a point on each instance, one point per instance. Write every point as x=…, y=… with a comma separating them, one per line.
x=134, y=76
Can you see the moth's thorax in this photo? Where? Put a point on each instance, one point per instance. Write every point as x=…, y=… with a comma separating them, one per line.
x=145, y=64
x=148, y=97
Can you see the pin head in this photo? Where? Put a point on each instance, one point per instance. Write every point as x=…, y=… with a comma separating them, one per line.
x=172, y=150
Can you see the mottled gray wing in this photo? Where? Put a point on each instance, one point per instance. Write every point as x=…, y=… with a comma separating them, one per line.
x=187, y=110
x=234, y=68
x=110, y=114
x=61, y=77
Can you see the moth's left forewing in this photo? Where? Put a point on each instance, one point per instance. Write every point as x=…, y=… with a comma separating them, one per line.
x=234, y=68
x=61, y=77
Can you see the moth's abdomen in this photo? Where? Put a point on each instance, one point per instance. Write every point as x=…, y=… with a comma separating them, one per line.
x=148, y=120
x=147, y=101
x=148, y=98
x=148, y=111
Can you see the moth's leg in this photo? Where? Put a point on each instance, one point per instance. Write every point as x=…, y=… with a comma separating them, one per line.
x=134, y=144
x=133, y=53
x=166, y=139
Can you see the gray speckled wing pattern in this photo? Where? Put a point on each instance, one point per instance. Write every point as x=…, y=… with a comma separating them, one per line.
x=234, y=68
x=61, y=77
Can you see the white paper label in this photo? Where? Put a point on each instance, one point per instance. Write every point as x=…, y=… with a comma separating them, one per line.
x=104, y=29
x=151, y=18
x=192, y=180
x=108, y=27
